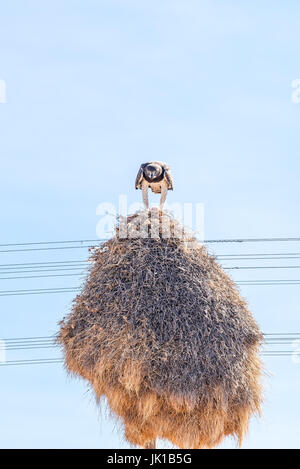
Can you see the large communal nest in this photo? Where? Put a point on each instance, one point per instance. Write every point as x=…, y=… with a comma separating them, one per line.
x=162, y=331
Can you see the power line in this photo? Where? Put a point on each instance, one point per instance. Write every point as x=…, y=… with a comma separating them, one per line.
x=42, y=291
x=43, y=361
x=42, y=337
x=51, y=345
x=32, y=269
x=264, y=255
x=53, y=242
x=42, y=268
x=263, y=267
x=28, y=346
x=258, y=256
x=30, y=264
x=36, y=340
x=52, y=266
x=250, y=240
x=82, y=241
x=48, y=342
x=39, y=361
x=38, y=291
x=282, y=333
x=83, y=272
x=39, y=276
x=269, y=282
x=45, y=249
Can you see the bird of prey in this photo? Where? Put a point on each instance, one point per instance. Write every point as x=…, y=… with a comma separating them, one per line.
x=156, y=175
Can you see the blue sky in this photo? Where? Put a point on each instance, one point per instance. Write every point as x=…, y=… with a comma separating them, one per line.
x=95, y=88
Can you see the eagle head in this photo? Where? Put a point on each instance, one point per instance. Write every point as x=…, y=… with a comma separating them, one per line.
x=153, y=171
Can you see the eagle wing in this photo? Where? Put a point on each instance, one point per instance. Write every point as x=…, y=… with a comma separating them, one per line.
x=139, y=178
x=168, y=176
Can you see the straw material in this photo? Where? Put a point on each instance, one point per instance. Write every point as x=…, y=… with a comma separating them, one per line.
x=162, y=331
